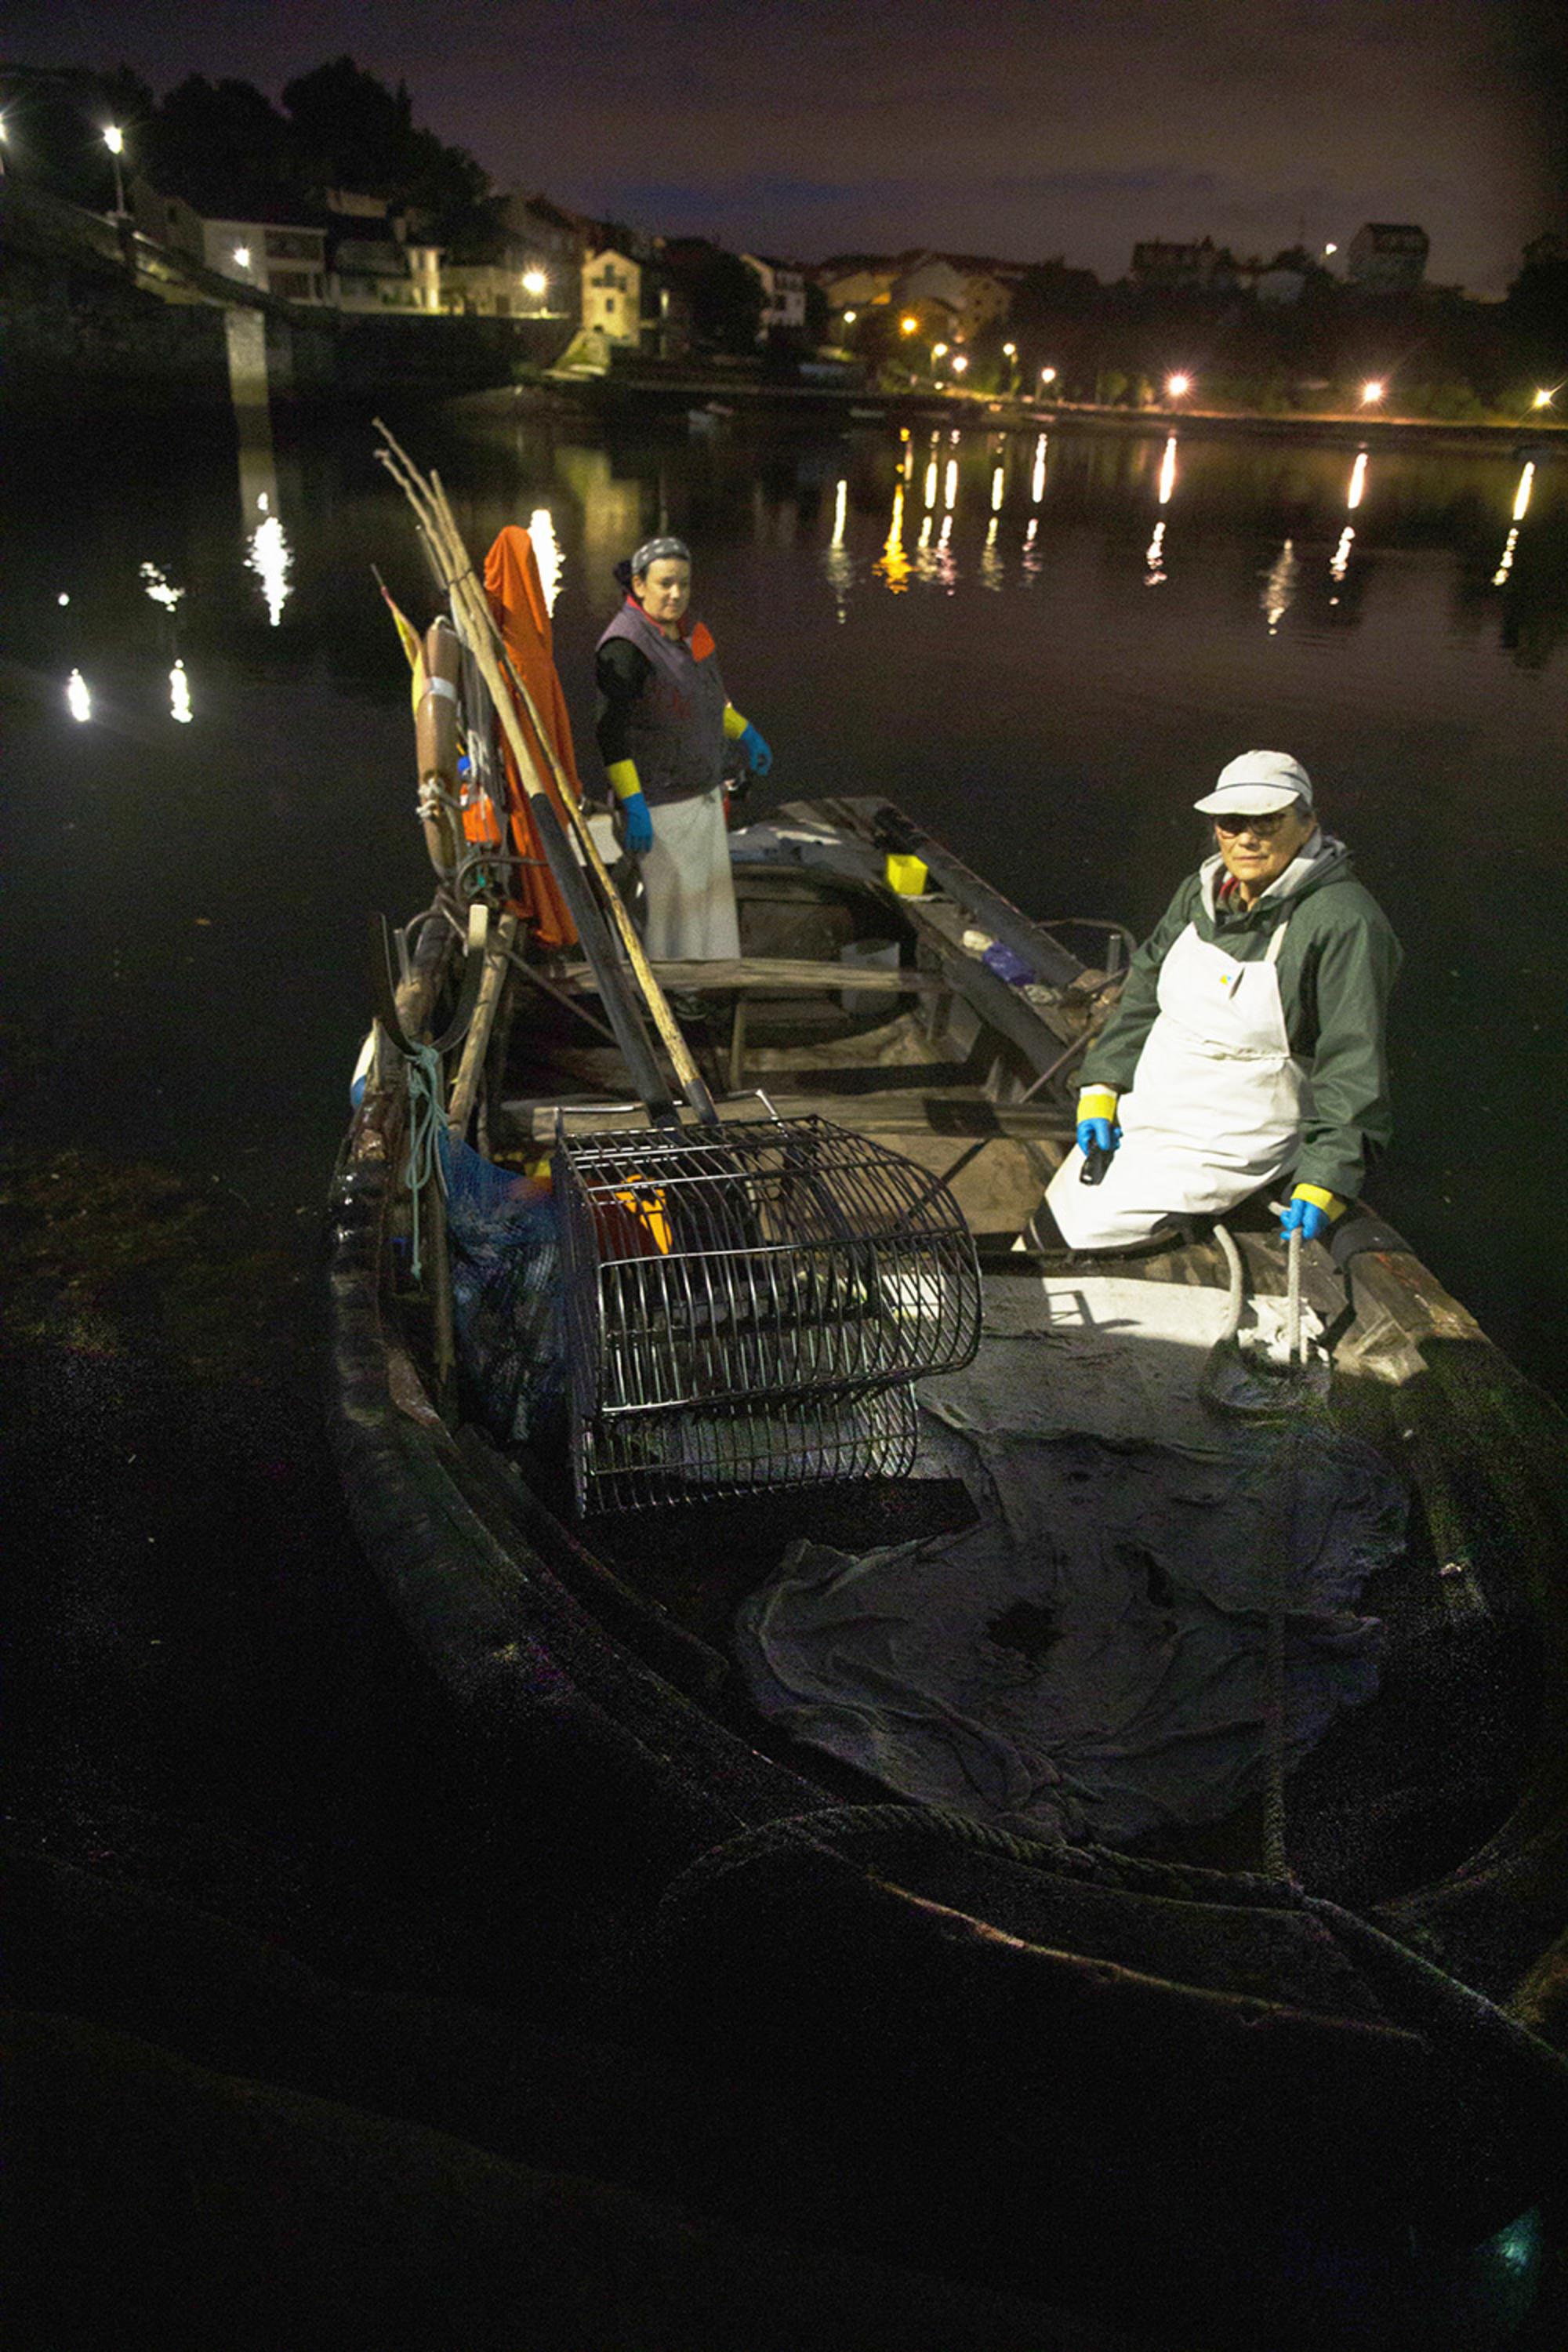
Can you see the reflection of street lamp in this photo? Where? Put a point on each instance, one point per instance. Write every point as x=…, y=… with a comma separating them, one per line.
x=1371, y=392
x=114, y=140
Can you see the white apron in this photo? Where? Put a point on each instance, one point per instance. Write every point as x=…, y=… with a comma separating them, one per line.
x=689, y=906
x=1215, y=1109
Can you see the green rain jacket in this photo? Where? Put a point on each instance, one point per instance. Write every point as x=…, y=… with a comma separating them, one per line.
x=1336, y=968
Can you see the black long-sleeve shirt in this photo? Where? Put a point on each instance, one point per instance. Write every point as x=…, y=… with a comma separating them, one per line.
x=621, y=672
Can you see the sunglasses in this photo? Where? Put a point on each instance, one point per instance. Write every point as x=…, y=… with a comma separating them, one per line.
x=1266, y=827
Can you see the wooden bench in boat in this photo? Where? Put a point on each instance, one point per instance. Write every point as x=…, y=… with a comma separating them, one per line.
x=790, y=975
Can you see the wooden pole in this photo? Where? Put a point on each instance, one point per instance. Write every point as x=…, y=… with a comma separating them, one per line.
x=470, y=1069
x=470, y=609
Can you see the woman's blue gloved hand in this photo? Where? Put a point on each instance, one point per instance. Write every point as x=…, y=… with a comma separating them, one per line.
x=1306, y=1217
x=1096, y=1135
x=759, y=758
x=637, y=820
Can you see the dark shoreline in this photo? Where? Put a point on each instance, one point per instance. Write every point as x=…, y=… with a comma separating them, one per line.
x=716, y=395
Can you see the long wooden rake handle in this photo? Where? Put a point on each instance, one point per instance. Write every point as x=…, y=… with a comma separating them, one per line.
x=472, y=612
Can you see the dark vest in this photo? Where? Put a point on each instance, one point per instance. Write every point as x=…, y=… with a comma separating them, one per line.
x=675, y=725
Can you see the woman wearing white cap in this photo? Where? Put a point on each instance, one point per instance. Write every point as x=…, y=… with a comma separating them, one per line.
x=1249, y=1041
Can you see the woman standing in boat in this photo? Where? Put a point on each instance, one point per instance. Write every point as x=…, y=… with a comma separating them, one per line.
x=663, y=722
x=1250, y=1040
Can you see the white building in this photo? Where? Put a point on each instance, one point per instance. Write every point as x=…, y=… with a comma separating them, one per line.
x=784, y=292
x=612, y=297
x=279, y=256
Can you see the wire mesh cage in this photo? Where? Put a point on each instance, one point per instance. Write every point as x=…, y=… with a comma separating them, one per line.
x=629, y=1462
x=724, y=1272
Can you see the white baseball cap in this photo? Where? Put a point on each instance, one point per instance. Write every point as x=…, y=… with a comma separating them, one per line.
x=1256, y=784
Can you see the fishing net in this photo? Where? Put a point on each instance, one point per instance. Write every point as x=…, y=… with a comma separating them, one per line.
x=506, y=1293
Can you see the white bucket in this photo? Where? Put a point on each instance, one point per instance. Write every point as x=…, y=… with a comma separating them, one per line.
x=878, y=955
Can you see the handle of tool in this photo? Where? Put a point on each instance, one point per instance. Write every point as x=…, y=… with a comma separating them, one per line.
x=1096, y=1161
x=1294, y=1352
x=616, y=998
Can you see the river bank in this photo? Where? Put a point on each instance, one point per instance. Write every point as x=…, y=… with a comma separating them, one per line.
x=717, y=394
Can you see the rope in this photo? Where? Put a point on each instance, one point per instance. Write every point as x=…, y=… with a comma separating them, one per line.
x=423, y=1071
x=1276, y=1860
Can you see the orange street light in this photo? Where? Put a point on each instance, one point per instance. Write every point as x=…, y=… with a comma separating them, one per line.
x=907, y=325
x=1177, y=386
x=1545, y=399
x=1371, y=392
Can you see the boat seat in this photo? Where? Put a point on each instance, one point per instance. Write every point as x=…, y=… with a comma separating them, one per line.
x=790, y=975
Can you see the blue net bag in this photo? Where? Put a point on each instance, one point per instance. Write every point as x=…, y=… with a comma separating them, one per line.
x=505, y=1294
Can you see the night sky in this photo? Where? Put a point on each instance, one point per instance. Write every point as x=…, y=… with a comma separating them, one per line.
x=1021, y=127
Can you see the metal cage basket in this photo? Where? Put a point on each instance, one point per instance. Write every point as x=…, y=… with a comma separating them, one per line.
x=767, y=1275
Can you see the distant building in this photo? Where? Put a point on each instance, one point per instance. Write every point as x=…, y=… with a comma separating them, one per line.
x=612, y=296
x=1157, y=263
x=280, y=256
x=973, y=289
x=376, y=273
x=858, y=281
x=1387, y=257
x=784, y=292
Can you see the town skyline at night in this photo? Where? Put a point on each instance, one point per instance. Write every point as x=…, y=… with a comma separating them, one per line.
x=1017, y=130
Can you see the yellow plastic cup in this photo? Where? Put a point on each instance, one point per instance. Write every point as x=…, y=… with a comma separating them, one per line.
x=907, y=876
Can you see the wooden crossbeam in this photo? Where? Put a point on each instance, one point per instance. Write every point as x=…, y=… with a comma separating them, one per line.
x=787, y=974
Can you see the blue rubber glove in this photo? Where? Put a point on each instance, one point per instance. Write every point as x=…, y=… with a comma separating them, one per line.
x=1305, y=1216
x=1096, y=1135
x=637, y=820
x=759, y=758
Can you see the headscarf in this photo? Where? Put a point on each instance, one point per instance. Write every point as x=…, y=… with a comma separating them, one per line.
x=635, y=566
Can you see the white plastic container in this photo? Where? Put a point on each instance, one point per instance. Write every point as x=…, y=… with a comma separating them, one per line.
x=878, y=955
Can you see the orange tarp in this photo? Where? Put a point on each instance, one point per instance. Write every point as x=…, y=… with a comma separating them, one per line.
x=516, y=600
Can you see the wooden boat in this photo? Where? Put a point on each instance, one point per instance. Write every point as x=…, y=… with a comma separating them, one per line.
x=1290, y=2072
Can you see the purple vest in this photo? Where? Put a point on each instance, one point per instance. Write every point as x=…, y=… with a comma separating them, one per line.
x=675, y=725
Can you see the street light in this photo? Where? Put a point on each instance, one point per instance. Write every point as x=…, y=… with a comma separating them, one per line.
x=1011, y=351
x=534, y=282
x=1329, y=251
x=114, y=140
x=907, y=325
x=242, y=255
x=1048, y=375
x=959, y=363
x=849, y=317
x=1545, y=399
x=1177, y=386
x=1371, y=392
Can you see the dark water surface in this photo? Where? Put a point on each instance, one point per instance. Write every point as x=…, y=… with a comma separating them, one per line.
x=1044, y=648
